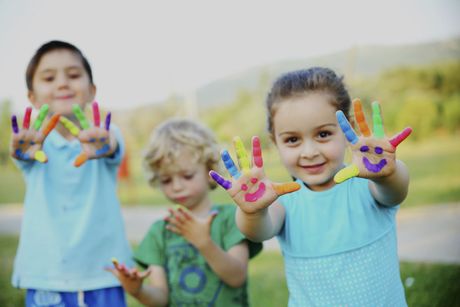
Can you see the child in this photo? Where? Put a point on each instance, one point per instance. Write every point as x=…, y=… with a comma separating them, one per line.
x=338, y=240
x=196, y=256
x=72, y=222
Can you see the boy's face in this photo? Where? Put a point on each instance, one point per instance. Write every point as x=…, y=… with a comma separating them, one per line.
x=186, y=182
x=61, y=81
x=309, y=140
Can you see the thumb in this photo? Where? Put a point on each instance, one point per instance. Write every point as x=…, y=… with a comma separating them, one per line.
x=285, y=188
x=212, y=215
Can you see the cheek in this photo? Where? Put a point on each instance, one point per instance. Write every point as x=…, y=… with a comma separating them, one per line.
x=288, y=156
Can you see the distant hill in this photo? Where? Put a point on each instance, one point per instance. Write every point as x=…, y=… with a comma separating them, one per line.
x=356, y=62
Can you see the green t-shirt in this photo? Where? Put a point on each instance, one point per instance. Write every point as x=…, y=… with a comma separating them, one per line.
x=191, y=280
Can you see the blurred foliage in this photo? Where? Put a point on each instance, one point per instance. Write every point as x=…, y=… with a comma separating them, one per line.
x=426, y=98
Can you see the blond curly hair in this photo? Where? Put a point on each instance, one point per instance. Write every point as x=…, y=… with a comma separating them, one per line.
x=174, y=136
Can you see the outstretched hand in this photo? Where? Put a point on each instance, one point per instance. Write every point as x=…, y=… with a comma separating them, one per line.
x=96, y=141
x=249, y=187
x=27, y=143
x=130, y=279
x=373, y=154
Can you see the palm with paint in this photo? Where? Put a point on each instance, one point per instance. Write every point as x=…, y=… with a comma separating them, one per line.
x=249, y=187
x=373, y=154
x=96, y=141
x=27, y=142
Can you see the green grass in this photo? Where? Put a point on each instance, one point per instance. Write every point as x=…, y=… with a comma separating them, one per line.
x=433, y=165
x=433, y=284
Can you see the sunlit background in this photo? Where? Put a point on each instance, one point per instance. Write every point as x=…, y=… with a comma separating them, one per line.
x=215, y=61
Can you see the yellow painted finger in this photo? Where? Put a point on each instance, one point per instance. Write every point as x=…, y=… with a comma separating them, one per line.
x=242, y=155
x=40, y=156
x=69, y=126
x=346, y=173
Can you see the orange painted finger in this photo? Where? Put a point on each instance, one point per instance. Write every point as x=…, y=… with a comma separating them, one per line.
x=360, y=118
x=82, y=158
x=284, y=188
x=51, y=124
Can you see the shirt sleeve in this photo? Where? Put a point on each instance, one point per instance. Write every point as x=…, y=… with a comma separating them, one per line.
x=120, y=151
x=151, y=249
x=232, y=235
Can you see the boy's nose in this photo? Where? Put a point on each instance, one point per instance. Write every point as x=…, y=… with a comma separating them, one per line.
x=176, y=184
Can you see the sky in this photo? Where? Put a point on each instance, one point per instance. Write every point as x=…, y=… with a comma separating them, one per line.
x=143, y=51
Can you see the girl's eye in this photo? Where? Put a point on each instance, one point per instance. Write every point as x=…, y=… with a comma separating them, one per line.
x=324, y=134
x=74, y=76
x=48, y=78
x=291, y=140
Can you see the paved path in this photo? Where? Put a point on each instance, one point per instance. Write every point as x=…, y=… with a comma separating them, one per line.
x=429, y=233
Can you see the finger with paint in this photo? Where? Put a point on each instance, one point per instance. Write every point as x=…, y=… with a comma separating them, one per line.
x=346, y=127
x=242, y=155
x=379, y=133
x=360, y=118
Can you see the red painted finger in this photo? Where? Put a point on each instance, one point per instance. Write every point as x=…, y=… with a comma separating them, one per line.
x=400, y=137
x=257, y=152
x=26, y=122
x=96, y=114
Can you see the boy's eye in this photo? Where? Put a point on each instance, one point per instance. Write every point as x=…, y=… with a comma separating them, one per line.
x=189, y=176
x=165, y=180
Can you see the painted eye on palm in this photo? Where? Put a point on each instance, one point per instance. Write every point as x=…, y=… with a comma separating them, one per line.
x=378, y=134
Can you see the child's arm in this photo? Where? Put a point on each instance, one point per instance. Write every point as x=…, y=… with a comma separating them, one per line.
x=27, y=143
x=374, y=157
x=258, y=216
x=96, y=141
x=153, y=294
x=230, y=266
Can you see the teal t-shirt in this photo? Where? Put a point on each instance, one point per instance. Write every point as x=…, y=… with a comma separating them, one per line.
x=191, y=280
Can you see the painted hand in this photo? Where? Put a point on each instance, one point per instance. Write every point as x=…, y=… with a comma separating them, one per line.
x=96, y=141
x=27, y=143
x=373, y=154
x=251, y=190
x=130, y=279
x=195, y=230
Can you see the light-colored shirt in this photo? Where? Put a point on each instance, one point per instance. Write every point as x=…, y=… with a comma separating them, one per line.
x=339, y=248
x=72, y=224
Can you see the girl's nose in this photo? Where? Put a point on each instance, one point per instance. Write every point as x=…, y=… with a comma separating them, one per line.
x=309, y=150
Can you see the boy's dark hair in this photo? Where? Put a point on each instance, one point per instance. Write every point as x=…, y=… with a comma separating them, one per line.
x=51, y=46
x=300, y=82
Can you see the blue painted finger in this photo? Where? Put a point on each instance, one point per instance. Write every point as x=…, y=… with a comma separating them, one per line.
x=230, y=165
x=346, y=127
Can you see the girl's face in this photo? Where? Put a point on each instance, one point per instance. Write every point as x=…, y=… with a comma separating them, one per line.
x=60, y=81
x=186, y=182
x=309, y=140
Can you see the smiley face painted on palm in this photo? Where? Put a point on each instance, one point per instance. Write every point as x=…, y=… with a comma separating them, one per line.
x=378, y=133
x=373, y=167
x=252, y=197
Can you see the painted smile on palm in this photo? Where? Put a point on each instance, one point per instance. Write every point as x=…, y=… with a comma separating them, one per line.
x=373, y=167
x=252, y=197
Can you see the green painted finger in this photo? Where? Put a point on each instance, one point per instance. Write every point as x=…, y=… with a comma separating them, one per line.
x=41, y=117
x=242, y=155
x=69, y=126
x=80, y=116
x=377, y=120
